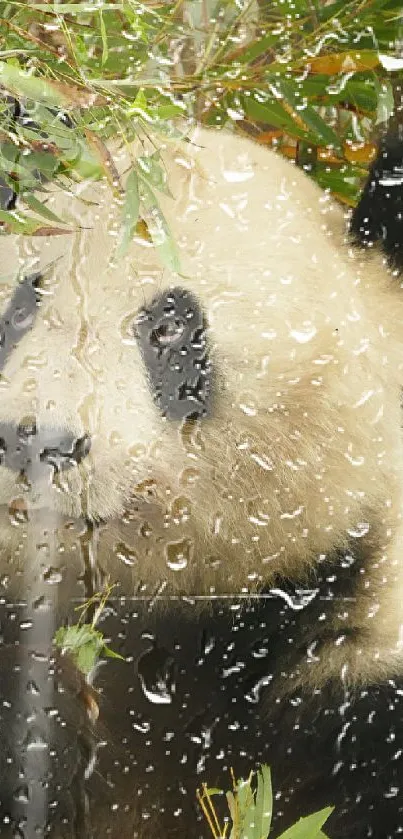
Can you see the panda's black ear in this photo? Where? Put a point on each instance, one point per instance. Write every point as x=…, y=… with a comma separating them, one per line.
x=378, y=216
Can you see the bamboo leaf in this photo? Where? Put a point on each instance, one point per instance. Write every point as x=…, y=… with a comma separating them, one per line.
x=263, y=804
x=28, y=226
x=309, y=827
x=272, y=113
x=159, y=229
x=104, y=38
x=24, y=84
x=307, y=113
x=344, y=62
x=130, y=212
x=41, y=208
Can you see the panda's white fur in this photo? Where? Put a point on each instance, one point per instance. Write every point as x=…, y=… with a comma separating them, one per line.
x=301, y=452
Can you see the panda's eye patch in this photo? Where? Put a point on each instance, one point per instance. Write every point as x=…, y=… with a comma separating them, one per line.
x=172, y=336
x=19, y=316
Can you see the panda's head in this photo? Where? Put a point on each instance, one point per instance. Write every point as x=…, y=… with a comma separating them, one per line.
x=243, y=407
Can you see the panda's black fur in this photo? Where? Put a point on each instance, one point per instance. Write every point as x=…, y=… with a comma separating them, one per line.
x=378, y=217
x=204, y=691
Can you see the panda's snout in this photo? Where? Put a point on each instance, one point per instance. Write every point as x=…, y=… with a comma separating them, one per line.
x=29, y=449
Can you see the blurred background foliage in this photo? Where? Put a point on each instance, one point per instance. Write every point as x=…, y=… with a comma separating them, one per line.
x=315, y=78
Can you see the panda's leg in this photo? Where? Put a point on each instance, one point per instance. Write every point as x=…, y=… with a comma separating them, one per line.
x=340, y=748
x=368, y=765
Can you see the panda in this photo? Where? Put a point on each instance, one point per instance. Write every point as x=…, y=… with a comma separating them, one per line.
x=209, y=421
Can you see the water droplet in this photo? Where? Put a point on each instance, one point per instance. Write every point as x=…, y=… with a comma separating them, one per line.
x=40, y=604
x=26, y=624
x=360, y=529
x=167, y=332
x=127, y=330
x=137, y=451
x=355, y=461
x=248, y=408
x=302, y=336
x=234, y=176
x=255, y=692
x=22, y=318
x=22, y=794
x=178, y=554
x=263, y=461
x=35, y=742
x=298, y=599
x=29, y=385
x=125, y=554
x=180, y=509
x=27, y=429
x=146, y=530
x=18, y=511
x=115, y=439
x=189, y=476
x=155, y=669
x=53, y=576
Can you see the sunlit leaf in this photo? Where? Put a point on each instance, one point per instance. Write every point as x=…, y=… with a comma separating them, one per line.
x=309, y=827
x=85, y=644
x=344, y=62
x=360, y=153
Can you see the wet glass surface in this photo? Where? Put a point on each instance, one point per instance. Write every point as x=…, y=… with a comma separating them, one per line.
x=209, y=457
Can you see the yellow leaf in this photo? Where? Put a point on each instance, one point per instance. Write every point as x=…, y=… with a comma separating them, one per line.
x=344, y=62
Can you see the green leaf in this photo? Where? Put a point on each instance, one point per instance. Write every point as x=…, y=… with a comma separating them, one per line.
x=84, y=644
x=291, y=92
x=140, y=103
x=385, y=105
x=257, y=48
x=41, y=208
x=345, y=183
x=251, y=809
x=263, y=803
x=310, y=827
x=169, y=111
x=104, y=38
x=24, y=84
x=130, y=212
x=159, y=230
x=273, y=113
x=108, y=653
x=153, y=172
x=75, y=8
x=327, y=12
x=26, y=225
